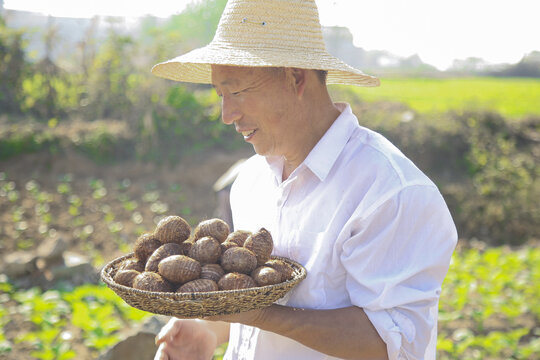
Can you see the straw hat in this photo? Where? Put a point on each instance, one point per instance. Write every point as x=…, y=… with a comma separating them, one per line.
x=277, y=33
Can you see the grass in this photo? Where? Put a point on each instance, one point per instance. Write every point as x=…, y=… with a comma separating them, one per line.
x=511, y=97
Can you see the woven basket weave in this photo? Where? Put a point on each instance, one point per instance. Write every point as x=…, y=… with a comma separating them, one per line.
x=201, y=304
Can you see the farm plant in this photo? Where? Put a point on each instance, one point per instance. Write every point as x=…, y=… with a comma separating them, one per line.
x=488, y=310
x=97, y=215
x=94, y=215
x=489, y=305
x=58, y=316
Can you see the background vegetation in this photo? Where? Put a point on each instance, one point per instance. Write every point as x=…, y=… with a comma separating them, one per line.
x=478, y=138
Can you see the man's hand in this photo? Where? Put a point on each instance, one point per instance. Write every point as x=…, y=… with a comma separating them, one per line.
x=185, y=339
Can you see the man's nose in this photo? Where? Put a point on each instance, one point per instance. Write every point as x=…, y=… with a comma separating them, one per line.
x=229, y=110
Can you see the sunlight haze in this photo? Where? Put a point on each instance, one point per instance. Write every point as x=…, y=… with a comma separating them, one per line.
x=438, y=31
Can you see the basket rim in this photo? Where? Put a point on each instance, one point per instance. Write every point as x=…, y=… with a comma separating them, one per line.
x=300, y=274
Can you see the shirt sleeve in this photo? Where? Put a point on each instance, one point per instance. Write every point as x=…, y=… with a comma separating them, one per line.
x=396, y=258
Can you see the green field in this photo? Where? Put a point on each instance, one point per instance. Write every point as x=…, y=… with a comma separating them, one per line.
x=488, y=310
x=512, y=97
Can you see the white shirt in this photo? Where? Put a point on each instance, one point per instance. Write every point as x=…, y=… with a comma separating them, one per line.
x=369, y=227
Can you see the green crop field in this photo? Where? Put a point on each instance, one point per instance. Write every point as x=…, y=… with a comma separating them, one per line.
x=512, y=97
x=488, y=310
x=489, y=305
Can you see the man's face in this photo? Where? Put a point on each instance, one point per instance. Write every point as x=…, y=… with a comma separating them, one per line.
x=259, y=102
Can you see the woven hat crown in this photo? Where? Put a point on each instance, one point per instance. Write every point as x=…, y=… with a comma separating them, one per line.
x=277, y=33
x=262, y=24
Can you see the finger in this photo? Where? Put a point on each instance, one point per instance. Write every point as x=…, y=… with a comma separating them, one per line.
x=161, y=354
x=169, y=331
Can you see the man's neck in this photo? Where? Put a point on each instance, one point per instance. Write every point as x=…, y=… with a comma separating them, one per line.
x=318, y=121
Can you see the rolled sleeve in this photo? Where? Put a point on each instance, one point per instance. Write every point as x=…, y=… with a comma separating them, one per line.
x=391, y=330
x=396, y=259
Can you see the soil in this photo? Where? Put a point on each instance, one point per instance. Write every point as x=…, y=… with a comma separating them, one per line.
x=98, y=198
x=184, y=189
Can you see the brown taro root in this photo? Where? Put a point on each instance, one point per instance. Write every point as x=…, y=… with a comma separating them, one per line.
x=234, y=281
x=125, y=277
x=265, y=275
x=132, y=264
x=286, y=270
x=261, y=244
x=151, y=281
x=238, y=259
x=205, y=250
x=172, y=229
x=198, y=285
x=227, y=245
x=212, y=272
x=145, y=245
x=161, y=253
x=238, y=237
x=179, y=269
x=186, y=246
x=216, y=228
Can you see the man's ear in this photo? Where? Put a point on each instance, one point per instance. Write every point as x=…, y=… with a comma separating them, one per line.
x=298, y=78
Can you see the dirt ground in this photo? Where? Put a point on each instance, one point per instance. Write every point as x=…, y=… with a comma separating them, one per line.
x=184, y=189
x=97, y=209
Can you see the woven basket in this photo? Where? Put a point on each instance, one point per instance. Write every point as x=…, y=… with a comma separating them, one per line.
x=201, y=304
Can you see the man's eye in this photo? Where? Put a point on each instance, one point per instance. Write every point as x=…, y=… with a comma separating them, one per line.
x=239, y=92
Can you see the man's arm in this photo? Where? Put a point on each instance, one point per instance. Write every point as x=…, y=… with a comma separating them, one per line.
x=345, y=333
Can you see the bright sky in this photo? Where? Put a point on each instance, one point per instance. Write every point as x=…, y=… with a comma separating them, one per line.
x=439, y=31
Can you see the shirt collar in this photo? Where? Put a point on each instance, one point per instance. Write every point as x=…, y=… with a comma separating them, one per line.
x=276, y=166
x=323, y=156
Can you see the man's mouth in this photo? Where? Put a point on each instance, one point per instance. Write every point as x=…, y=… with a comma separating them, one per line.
x=248, y=134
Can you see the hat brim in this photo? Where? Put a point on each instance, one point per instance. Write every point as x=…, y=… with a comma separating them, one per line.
x=195, y=66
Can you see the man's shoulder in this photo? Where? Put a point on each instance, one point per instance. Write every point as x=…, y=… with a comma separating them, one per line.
x=374, y=156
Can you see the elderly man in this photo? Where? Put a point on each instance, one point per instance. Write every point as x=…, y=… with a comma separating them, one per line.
x=372, y=231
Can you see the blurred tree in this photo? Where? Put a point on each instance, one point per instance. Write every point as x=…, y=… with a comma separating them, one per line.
x=469, y=65
x=85, y=56
x=109, y=77
x=197, y=24
x=49, y=91
x=13, y=66
x=192, y=28
x=529, y=66
x=48, y=67
x=40, y=95
x=503, y=162
x=87, y=46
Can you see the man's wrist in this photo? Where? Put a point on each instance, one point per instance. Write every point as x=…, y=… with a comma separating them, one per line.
x=260, y=317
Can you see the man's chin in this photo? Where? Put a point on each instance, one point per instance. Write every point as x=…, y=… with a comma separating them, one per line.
x=259, y=150
x=266, y=151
